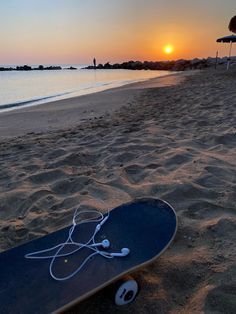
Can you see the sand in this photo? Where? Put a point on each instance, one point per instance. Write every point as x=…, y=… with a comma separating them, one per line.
x=176, y=142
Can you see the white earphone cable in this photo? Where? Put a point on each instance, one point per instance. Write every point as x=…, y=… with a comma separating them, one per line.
x=90, y=244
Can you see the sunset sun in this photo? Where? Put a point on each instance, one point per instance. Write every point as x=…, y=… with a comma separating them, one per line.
x=168, y=49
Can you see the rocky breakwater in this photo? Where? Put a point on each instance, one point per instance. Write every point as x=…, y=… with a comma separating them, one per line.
x=177, y=65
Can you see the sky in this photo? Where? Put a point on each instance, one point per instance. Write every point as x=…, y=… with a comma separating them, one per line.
x=75, y=31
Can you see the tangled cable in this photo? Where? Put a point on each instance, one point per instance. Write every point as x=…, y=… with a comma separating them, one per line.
x=90, y=244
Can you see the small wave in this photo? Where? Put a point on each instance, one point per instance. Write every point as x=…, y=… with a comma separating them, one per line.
x=31, y=101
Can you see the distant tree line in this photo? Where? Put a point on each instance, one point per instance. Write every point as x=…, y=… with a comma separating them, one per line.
x=39, y=68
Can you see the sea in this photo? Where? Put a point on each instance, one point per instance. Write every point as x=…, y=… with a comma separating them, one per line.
x=30, y=88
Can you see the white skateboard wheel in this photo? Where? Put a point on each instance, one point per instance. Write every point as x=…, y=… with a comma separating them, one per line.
x=126, y=292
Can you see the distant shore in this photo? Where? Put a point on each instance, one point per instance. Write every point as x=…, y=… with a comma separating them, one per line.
x=173, y=65
x=39, y=68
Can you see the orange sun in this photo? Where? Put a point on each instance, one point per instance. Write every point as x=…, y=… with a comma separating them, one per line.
x=168, y=49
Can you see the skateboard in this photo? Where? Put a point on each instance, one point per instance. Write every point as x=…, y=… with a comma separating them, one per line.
x=130, y=236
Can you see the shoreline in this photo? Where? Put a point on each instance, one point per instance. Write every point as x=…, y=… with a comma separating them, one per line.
x=79, y=90
x=65, y=113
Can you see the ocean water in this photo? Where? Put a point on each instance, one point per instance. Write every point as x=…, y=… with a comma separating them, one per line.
x=21, y=89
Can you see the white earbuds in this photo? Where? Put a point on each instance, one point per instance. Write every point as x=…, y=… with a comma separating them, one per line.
x=105, y=244
x=56, y=251
x=124, y=252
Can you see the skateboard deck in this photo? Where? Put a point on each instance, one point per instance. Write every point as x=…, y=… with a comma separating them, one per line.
x=145, y=226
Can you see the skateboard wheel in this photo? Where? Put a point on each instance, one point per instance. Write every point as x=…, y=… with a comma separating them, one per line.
x=126, y=292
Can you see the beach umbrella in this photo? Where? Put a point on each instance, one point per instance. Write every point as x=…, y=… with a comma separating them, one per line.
x=228, y=39
x=232, y=24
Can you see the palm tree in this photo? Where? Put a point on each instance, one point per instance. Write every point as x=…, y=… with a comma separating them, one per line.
x=232, y=24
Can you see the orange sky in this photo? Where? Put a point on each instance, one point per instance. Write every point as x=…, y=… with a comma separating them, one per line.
x=70, y=31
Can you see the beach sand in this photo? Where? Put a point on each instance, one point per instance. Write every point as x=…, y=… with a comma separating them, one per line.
x=176, y=142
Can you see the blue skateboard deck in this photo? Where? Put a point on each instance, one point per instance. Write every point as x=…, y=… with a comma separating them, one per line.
x=145, y=226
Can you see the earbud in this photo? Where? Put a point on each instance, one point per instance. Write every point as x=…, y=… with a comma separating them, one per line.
x=105, y=244
x=125, y=251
